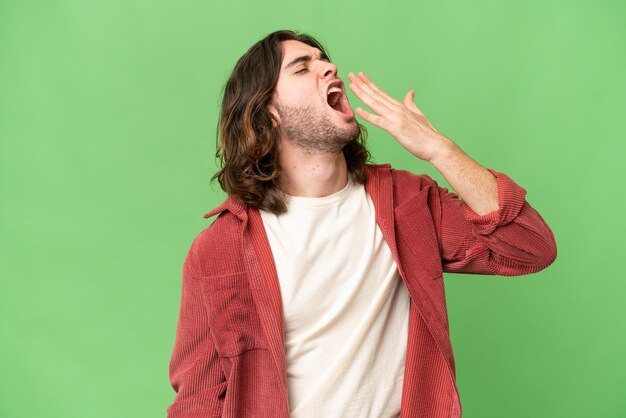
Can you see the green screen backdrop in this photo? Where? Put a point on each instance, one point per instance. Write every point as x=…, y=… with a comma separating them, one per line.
x=108, y=111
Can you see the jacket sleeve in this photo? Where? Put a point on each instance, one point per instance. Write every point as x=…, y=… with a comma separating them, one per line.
x=511, y=241
x=195, y=371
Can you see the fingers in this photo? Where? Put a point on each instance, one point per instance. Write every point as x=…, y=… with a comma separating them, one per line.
x=364, y=92
x=370, y=94
x=374, y=88
x=373, y=119
x=389, y=110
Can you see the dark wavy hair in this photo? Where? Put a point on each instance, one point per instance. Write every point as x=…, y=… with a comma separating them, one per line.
x=247, y=142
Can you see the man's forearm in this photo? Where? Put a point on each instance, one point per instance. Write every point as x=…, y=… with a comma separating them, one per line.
x=470, y=180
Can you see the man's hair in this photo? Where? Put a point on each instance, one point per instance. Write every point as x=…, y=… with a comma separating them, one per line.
x=247, y=142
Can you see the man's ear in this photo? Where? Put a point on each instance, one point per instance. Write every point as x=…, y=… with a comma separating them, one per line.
x=274, y=115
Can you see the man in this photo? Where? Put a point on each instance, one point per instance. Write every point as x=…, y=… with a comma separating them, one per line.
x=318, y=290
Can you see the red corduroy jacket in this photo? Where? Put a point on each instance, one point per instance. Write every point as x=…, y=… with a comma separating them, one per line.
x=228, y=358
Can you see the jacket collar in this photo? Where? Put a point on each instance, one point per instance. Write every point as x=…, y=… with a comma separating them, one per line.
x=237, y=208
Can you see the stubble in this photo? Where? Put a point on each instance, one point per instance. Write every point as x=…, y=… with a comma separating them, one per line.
x=313, y=130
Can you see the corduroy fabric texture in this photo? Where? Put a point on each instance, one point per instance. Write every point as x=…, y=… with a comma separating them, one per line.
x=228, y=358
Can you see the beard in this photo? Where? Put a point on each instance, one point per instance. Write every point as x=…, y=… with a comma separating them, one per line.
x=313, y=130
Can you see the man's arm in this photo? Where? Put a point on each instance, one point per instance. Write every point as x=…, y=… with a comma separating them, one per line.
x=470, y=180
x=195, y=372
x=512, y=240
x=493, y=229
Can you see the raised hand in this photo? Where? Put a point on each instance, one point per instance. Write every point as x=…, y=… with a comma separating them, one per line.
x=403, y=120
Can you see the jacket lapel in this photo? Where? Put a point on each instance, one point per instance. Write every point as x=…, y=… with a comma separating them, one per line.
x=380, y=187
x=263, y=281
x=265, y=287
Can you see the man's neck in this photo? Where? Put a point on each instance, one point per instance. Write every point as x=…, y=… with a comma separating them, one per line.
x=312, y=175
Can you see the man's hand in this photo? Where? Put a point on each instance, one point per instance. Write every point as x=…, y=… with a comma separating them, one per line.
x=404, y=121
x=408, y=125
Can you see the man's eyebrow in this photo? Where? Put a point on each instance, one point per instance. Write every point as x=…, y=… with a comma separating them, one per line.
x=305, y=58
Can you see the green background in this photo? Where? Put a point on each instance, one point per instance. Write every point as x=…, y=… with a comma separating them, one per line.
x=108, y=112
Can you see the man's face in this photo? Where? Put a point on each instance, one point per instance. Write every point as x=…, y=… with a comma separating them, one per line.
x=309, y=117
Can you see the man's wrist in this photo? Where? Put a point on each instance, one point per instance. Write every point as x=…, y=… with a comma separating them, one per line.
x=443, y=150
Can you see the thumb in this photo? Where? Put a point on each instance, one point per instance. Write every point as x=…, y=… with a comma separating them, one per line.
x=408, y=101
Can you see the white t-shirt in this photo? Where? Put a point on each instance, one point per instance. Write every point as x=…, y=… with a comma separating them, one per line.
x=345, y=308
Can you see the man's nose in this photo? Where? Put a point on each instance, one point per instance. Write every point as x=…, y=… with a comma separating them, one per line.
x=328, y=69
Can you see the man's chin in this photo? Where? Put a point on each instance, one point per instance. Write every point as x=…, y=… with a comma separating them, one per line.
x=345, y=122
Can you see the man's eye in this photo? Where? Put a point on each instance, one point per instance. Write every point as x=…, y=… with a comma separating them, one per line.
x=299, y=71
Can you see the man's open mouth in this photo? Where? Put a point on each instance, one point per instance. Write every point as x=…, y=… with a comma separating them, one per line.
x=336, y=99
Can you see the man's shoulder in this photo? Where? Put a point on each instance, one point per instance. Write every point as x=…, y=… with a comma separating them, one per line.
x=216, y=249
x=225, y=222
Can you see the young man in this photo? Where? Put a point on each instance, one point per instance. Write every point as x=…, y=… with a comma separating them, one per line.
x=318, y=290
